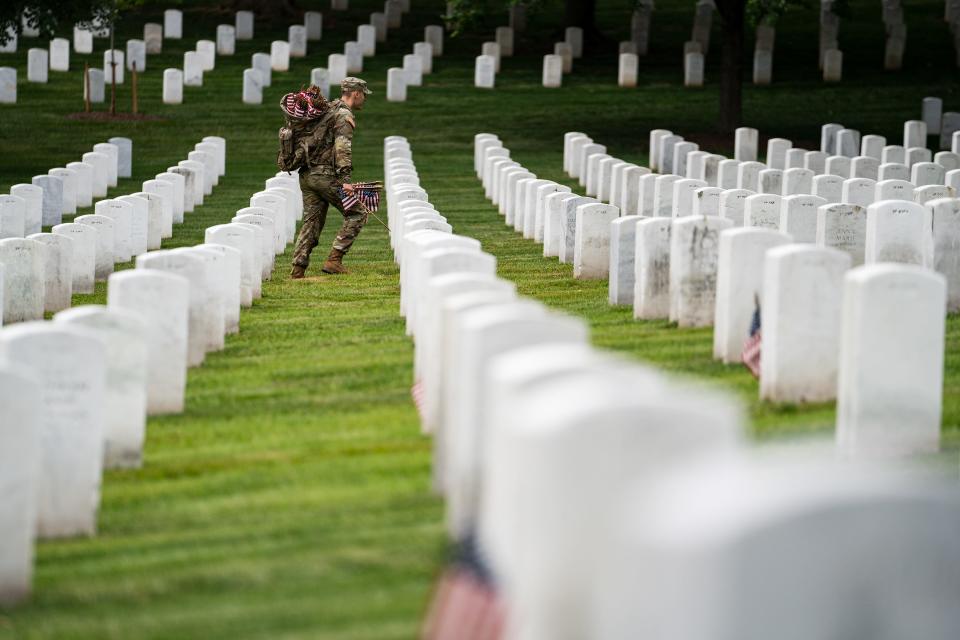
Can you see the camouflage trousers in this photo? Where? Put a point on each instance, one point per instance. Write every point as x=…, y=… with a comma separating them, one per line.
x=319, y=192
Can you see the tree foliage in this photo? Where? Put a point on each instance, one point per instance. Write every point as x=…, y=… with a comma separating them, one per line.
x=47, y=16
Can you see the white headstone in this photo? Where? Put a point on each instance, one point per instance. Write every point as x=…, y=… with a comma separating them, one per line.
x=762, y=210
x=52, y=198
x=889, y=392
x=798, y=217
x=367, y=37
x=279, y=55
x=337, y=64
x=694, y=247
x=777, y=152
x=104, y=254
x=484, y=74
x=245, y=241
x=122, y=215
x=552, y=71
x=591, y=252
x=622, y=270
x=24, y=272
x=21, y=423
x=243, y=23
x=297, y=43
x=252, y=87
x=173, y=86
x=58, y=270
x=59, y=54
x=434, y=35
x=802, y=296
x=313, y=25
x=899, y=231
x=82, y=40
x=574, y=37
x=38, y=65
x=651, y=299
x=8, y=85
x=32, y=196
x=739, y=286
x=173, y=24
x=113, y=64
x=745, y=144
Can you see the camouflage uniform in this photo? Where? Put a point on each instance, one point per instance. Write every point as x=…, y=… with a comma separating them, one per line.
x=330, y=165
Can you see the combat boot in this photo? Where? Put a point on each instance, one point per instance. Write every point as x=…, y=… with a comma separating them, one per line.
x=297, y=272
x=334, y=262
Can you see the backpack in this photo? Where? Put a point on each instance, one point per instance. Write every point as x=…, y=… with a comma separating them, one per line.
x=305, y=112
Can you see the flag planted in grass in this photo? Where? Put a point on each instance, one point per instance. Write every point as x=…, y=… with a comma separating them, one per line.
x=751, y=348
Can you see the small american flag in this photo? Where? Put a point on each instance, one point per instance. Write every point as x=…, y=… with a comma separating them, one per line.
x=751, y=348
x=366, y=193
x=416, y=392
x=466, y=605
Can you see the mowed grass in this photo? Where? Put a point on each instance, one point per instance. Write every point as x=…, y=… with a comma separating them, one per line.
x=291, y=499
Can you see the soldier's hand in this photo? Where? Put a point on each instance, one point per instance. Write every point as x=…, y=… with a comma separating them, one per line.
x=348, y=187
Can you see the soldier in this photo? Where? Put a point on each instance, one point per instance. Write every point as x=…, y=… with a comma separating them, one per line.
x=329, y=168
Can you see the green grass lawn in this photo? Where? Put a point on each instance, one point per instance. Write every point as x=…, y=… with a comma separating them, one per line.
x=291, y=499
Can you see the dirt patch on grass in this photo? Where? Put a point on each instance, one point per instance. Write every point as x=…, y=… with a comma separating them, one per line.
x=104, y=116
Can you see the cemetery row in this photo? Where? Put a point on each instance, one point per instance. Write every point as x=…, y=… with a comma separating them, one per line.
x=76, y=391
x=698, y=263
x=577, y=485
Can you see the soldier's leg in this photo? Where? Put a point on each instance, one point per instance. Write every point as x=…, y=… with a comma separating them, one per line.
x=314, y=215
x=353, y=222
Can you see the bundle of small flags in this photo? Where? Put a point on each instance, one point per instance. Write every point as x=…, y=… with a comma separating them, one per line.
x=366, y=193
x=751, y=348
x=466, y=605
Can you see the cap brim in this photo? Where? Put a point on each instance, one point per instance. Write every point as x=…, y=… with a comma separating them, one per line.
x=367, y=91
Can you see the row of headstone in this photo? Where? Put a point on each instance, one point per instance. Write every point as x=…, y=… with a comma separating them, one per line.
x=76, y=392
x=945, y=126
x=719, y=281
x=415, y=65
x=551, y=486
x=43, y=203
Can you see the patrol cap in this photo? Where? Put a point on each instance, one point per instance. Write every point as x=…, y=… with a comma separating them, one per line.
x=354, y=84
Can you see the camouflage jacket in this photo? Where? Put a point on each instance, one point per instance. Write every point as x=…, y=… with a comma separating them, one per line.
x=332, y=150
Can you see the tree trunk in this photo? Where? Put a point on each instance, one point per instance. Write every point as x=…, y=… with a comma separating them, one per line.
x=731, y=72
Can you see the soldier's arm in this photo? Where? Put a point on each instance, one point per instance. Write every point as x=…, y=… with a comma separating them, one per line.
x=343, y=147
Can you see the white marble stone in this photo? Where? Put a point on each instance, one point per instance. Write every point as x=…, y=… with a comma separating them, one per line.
x=622, y=270
x=153, y=37
x=574, y=37
x=795, y=158
x=946, y=241
x=732, y=204
x=192, y=70
x=122, y=215
x=651, y=298
x=173, y=86
x=104, y=252
x=52, y=203
x=125, y=335
x=694, y=247
x=762, y=210
x=797, y=181
x=12, y=216
x=8, y=85
x=58, y=270
x=280, y=55
x=262, y=228
x=748, y=175
x=82, y=40
x=706, y=201
x=484, y=76
x=889, y=394
x=798, y=217
x=552, y=71
x=924, y=173
x=832, y=65
x=684, y=192
x=245, y=242
x=815, y=161
x=114, y=66
x=139, y=222
x=244, y=25
x=745, y=144
x=379, y=21
x=24, y=271
x=252, y=87
x=21, y=422
x=312, y=26
x=199, y=167
x=68, y=179
x=433, y=34
x=568, y=227
x=207, y=54
x=480, y=335
x=777, y=152
x=59, y=54
x=165, y=191
x=38, y=66
x=539, y=195
x=226, y=40
x=858, y=191
x=209, y=161
x=740, y=268
x=771, y=181
x=899, y=231
x=173, y=24
x=218, y=280
x=802, y=295
x=70, y=364
x=591, y=252
x=367, y=37
x=278, y=204
x=812, y=547
x=918, y=154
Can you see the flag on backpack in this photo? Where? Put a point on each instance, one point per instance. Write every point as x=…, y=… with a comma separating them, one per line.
x=466, y=604
x=365, y=193
x=751, y=348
